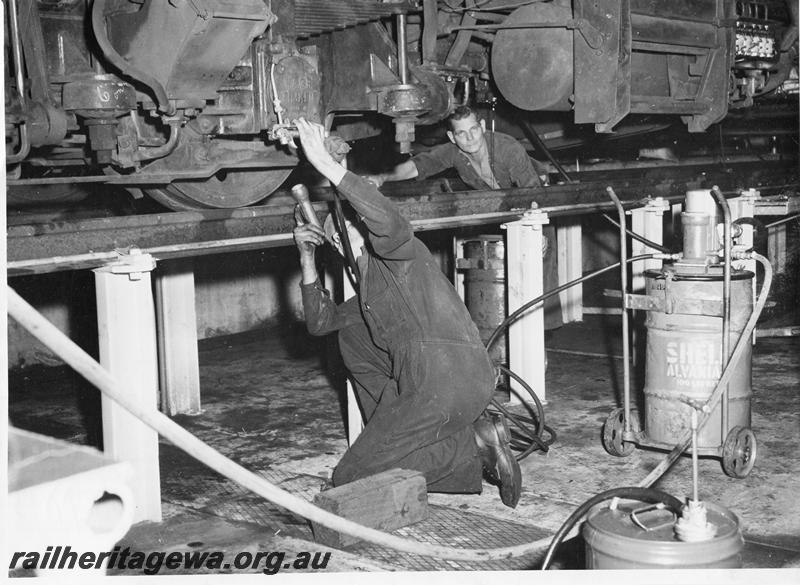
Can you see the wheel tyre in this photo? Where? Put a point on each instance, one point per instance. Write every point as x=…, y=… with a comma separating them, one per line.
x=613, y=429
x=237, y=189
x=739, y=452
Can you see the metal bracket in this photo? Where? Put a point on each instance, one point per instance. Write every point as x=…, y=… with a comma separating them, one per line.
x=133, y=263
x=534, y=218
x=593, y=37
x=652, y=508
x=671, y=305
x=643, y=302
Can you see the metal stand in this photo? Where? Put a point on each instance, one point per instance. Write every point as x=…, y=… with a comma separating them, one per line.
x=647, y=221
x=570, y=267
x=524, y=276
x=177, y=338
x=127, y=339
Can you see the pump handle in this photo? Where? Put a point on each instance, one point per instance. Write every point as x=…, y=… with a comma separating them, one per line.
x=300, y=194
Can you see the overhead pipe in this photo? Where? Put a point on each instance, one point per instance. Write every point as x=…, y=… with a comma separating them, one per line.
x=463, y=38
x=537, y=141
x=402, y=49
x=16, y=50
x=160, y=151
x=430, y=26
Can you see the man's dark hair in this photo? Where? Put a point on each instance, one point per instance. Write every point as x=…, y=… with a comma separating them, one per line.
x=460, y=113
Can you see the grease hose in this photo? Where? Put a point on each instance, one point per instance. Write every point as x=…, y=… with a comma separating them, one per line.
x=85, y=365
x=533, y=439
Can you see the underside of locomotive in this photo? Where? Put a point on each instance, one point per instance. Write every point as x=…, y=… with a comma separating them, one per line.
x=191, y=101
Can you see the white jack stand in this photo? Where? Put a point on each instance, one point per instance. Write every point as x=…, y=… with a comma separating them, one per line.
x=524, y=278
x=127, y=337
x=177, y=337
x=648, y=222
x=570, y=267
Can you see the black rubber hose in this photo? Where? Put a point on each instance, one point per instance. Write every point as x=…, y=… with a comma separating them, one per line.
x=110, y=53
x=533, y=438
x=638, y=237
x=516, y=314
x=533, y=136
x=759, y=231
x=633, y=493
x=348, y=249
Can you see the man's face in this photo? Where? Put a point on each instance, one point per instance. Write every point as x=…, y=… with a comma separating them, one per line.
x=467, y=134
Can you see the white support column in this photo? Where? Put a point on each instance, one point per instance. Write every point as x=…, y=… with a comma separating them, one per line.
x=355, y=422
x=648, y=222
x=458, y=275
x=179, y=372
x=126, y=326
x=524, y=278
x=570, y=267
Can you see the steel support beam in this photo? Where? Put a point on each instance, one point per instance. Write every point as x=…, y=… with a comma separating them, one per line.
x=66, y=245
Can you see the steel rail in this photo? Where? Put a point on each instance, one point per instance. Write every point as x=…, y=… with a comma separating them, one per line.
x=69, y=245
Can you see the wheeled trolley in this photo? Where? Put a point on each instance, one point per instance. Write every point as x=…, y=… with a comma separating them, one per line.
x=688, y=336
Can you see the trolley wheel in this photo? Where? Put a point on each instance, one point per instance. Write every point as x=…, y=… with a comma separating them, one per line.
x=613, y=429
x=739, y=452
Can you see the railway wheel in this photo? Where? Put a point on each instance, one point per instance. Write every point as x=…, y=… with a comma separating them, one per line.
x=226, y=190
x=613, y=429
x=739, y=452
x=27, y=195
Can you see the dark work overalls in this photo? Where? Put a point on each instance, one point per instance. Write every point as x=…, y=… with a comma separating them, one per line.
x=420, y=371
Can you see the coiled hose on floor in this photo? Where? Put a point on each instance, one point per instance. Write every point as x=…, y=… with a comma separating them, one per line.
x=533, y=439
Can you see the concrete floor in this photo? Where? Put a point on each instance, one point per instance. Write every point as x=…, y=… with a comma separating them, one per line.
x=269, y=403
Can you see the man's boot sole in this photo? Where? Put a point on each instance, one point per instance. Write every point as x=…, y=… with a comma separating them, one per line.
x=508, y=469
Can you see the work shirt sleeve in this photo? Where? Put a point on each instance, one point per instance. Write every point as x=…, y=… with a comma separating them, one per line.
x=390, y=233
x=520, y=166
x=322, y=315
x=437, y=159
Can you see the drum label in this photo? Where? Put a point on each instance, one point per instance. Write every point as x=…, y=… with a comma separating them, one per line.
x=693, y=363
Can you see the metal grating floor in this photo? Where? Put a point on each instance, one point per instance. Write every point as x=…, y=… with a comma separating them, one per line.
x=215, y=495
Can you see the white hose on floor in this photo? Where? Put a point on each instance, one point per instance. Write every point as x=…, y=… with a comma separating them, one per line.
x=85, y=365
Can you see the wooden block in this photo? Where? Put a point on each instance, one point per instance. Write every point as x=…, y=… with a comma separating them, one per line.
x=385, y=501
